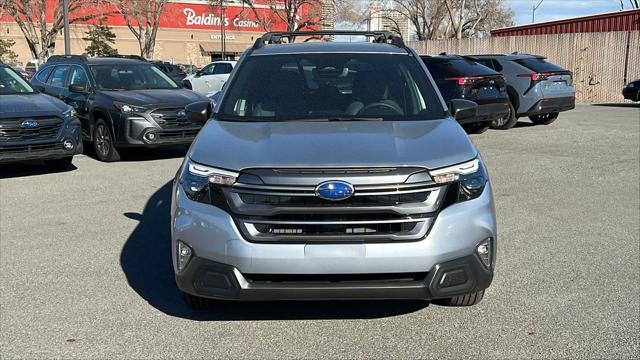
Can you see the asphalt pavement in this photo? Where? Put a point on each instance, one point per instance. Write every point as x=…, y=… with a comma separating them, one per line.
x=85, y=263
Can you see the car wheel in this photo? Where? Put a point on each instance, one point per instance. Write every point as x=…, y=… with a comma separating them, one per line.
x=506, y=122
x=462, y=300
x=544, y=119
x=103, y=142
x=196, y=302
x=476, y=128
x=59, y=164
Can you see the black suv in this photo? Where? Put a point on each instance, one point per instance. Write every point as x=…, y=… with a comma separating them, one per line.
x=35, y=126
x=174, y=71
x=460, y=78
x=121, y=101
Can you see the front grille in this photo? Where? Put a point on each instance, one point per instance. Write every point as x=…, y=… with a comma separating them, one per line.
x=30, y=148
x=47, y=128
x=169, y=119
x=334, y=278
x=381, y=212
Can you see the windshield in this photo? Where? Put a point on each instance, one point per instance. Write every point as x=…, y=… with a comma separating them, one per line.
x=12, y=83
x=331, y=87
x=131, y=77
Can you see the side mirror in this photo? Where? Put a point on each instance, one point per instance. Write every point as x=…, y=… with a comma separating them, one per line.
x=199, y=73
x=78, y=88
x=199, y=112
x=462, y=109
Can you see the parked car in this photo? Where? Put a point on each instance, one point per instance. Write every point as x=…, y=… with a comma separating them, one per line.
x=460, y=78
x=632, y=91
x=537, y=88
x=190, y=69
x=22, y=72
x=210, y=78
x=174, y=71
x=31, y=67
x=122, y=102
x=35, y=126
x=333, y=171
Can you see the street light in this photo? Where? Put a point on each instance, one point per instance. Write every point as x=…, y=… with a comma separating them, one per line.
x=222, y=36
x=533, y=13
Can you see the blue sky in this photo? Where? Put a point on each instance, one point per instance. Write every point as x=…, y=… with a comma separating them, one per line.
x=560, y=9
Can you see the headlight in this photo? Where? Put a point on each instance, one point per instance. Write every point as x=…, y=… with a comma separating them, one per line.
x=197, y=180
x=470, y=176
x=70, y=113
x=129, y=109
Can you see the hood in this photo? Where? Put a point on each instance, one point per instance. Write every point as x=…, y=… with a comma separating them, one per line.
x=163, y=97
x=241, y=145
x=25, y=105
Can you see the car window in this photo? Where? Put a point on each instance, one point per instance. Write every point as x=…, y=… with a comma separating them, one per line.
x=131, y=77
x=12, y=83
x=222, y=69
x=326, y=86
x=496, y=65
x=58, y=76
x=208, y=70
x=44, y=74
x=539, y=65
x=78, y=77
x=443, y=68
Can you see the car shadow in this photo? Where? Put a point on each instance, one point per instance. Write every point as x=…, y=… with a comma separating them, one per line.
x=143, y=154
x=523, y=124
x=146, y=262
x=627, y=105
x=31, y=168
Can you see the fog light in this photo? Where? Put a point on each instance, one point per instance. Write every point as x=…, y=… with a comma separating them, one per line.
x=484, y=252
x=184, y=255
x=150, y=136
x=68, y=145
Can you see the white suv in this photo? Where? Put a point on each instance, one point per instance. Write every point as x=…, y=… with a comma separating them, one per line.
x=210, y=78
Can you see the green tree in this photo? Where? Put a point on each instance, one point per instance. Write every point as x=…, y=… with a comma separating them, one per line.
x=99, y=37
x=7, y=55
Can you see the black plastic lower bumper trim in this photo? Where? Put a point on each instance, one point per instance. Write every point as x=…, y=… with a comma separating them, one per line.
x=551, y=105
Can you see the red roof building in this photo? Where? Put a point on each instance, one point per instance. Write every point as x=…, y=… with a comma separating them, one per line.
x=615, y=21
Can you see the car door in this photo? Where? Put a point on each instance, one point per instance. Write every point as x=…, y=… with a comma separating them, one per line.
x=80, y=100
x=220, y=75
x=55, y=85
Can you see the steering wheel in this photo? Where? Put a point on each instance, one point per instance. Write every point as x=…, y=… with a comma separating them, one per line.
x=393, y=107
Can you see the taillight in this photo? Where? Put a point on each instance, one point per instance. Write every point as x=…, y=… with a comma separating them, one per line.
x=183, y=73
x=464, y=80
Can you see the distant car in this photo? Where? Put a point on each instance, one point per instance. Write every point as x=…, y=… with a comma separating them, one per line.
x=189, y=69
x=122, y=102
x=537, y=88
x=22, y=72
x=460, y=78
x=35, y=126
x=174, y=71
x=210, y=78
x=31, y=67
x=632, y=91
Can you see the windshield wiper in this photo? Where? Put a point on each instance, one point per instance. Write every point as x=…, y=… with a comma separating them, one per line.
x=341, y=118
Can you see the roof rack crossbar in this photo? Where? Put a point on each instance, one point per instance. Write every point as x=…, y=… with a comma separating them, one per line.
x=378, y=36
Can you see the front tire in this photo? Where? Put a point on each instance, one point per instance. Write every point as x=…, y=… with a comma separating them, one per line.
x=463, y=300
x=544, y=119
x=103, y=142
x=59, y=164
x=506, y=122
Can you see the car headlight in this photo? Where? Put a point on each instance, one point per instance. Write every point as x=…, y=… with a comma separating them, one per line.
x=129, y=109
x=70, y=113
x=471, y=178
x=197, y=180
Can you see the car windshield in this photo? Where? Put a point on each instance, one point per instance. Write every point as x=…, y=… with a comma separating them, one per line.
x=331, y=87
x=131, y=77
x=12, y=83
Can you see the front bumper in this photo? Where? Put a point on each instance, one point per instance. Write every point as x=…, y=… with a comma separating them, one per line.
x=552, y=105
x=135, y=129
x=223, y=258
x=42, y=150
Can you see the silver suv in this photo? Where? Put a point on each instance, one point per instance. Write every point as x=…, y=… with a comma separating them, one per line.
x=333, y=171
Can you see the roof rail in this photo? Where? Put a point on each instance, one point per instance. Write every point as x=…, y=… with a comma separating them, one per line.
x=55, y=58
x=378, y=36
x=135, y=57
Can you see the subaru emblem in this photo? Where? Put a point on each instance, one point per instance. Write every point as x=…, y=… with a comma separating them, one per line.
x=182, y=113
x=334, y=190
x=29, y=124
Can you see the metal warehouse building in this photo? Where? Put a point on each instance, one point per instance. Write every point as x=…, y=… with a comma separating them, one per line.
x=616, y=21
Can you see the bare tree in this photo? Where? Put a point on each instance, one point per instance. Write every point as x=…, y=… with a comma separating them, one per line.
x=426, y=16
x=142, y=18
x=467, y=16
x=296, y=14
x=31, y=17
x=634, y=4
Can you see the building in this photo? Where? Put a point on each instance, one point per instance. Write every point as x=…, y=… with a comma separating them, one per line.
x=189, y=31
x=628, y=20
x=384, y=18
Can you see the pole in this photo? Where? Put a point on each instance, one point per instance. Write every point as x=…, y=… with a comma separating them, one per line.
x=533, y=13
x=67, y=40
x=222, y=26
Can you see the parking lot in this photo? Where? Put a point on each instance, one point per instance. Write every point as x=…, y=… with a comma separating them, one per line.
x=86, y=264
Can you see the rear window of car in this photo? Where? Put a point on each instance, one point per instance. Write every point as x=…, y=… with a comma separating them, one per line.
x=442, y=68
x=539, y=65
